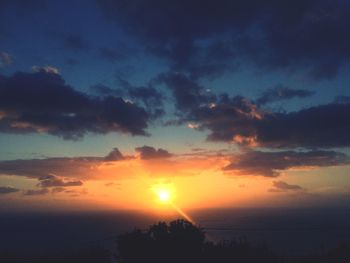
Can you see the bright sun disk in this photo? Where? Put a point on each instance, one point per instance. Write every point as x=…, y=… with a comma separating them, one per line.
x=163, y=195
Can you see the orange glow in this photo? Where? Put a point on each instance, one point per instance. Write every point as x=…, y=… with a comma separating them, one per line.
x=173, y=185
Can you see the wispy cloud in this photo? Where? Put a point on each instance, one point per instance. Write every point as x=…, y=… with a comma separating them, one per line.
x=8, y=190
x=272, y=164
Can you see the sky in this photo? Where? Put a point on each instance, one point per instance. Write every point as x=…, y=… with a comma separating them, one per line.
x=106, y=103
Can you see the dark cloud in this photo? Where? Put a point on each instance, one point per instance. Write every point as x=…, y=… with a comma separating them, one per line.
x=198, y=149
x=30, y=192
x=5, y=59
x=280, y=93
x=147, y=95
x=42, y=102
x=188, y=93
x=76, y=193
x=56, y=181
x=326, y=70
x=171, y=27
x=74, y=42
x=20, y=8
x=225, y=117
x=311, y=35
x=71, y=192
x=280, y=186
x=239, y=120
x=21, y=4
x=58, y=171
x=112, y=184
x=111, y=55
x=342, y=99
x=104, y=90
x=45, y=69
x=58, y=189
x=271, y=164
x=7, y=190
x=319, y=126
x=114, y=155
x=148, y=152
x=72, y=62
x=209, y=70
x=41, y=168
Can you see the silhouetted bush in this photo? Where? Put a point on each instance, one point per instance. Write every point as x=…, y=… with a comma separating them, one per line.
x=181, y=241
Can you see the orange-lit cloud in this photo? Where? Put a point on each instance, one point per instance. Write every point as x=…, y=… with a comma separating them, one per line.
x=198, y=179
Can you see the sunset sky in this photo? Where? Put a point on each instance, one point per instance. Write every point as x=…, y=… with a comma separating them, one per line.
x=104, y=103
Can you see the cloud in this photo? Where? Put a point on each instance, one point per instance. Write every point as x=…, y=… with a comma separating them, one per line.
x=56, y=181
x=40, y=168
x=148, y=95
x=7, y=190
x=224, y=117
x=342, y=99
x=148, y=152
x=42, y=102
x=71, y=62
x=114, y=155
x=69, y=191
x=236, y=119
x=76, y=193
x=59, y=189
x=280, y=93
x=209, y=70
x=111, y=55
x=308, y=35
x=55, y=172
x=74, y=42
x=306, y=128
x=69, y=171
x=5, y=59
x=280, y=186
x=46, y=69
x=36, y=192
x=104, y=90
x=188, y=93
x=271, y=164
x=112, y=184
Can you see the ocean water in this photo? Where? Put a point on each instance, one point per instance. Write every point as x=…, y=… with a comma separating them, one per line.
x=291, y=231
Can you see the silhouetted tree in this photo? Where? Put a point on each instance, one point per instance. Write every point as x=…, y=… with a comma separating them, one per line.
x=180, y=241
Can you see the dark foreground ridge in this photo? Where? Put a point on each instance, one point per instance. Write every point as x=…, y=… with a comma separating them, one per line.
x=181, y=241
x=178, y=241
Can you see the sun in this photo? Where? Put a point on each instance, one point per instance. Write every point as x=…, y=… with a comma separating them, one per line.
x=164, y=195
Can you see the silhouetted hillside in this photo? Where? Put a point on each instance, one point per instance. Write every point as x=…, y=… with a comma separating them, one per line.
x=181, y=241
x=177, y=241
